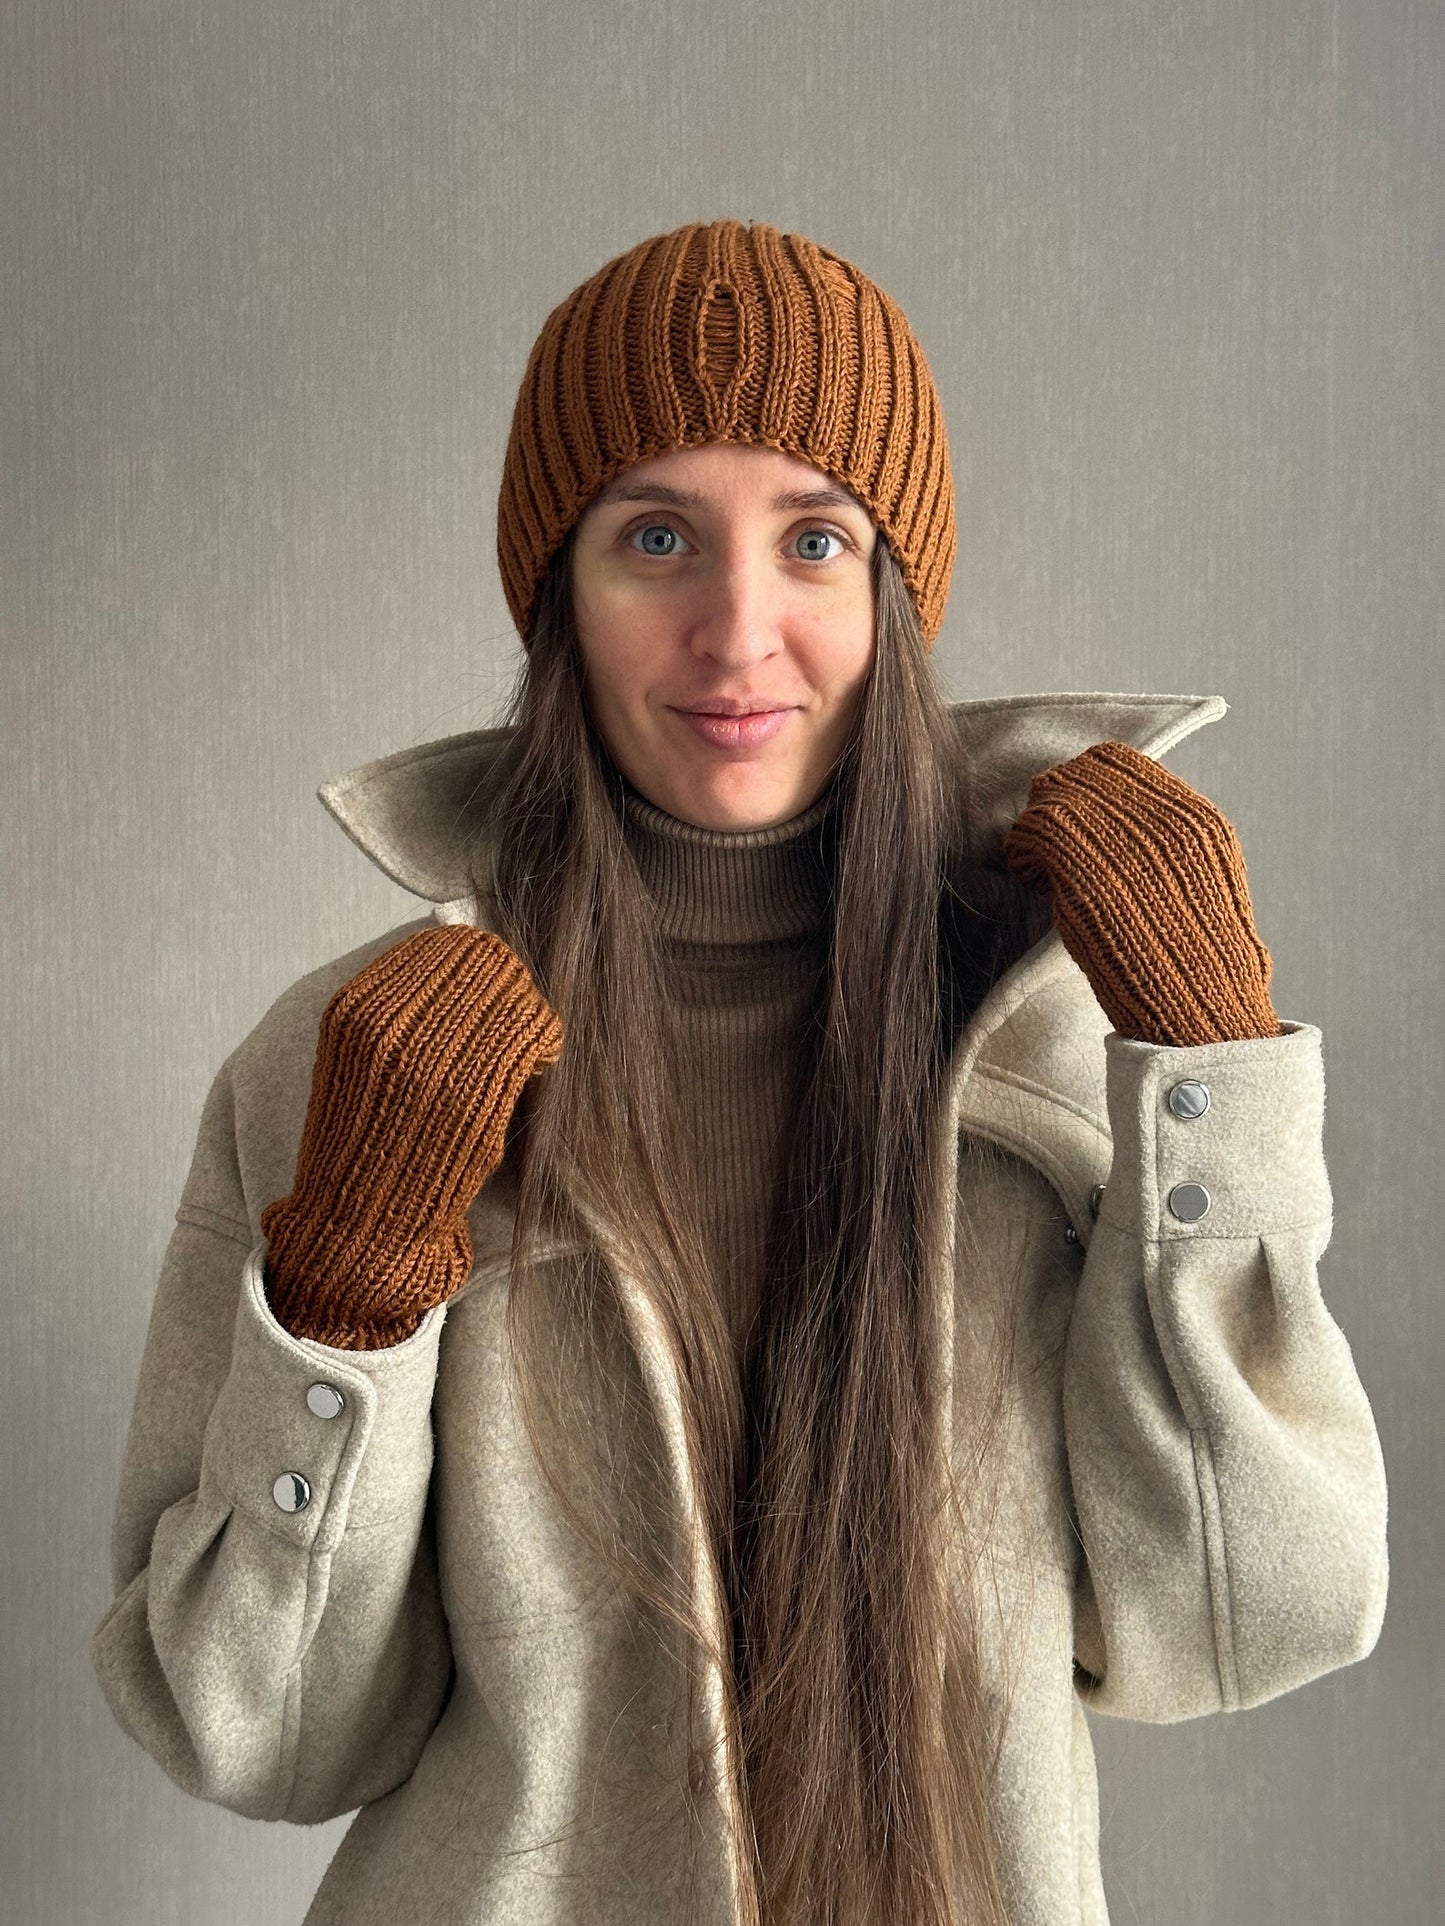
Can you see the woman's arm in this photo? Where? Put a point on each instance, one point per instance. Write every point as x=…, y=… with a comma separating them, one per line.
x=1228, y=1480
x=286, y=1663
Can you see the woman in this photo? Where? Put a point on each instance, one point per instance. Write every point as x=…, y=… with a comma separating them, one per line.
x=680, y=1374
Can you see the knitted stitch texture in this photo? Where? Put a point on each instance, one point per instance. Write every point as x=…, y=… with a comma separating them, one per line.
x=728, y=331
x=419, y=1063
x=1149, y=897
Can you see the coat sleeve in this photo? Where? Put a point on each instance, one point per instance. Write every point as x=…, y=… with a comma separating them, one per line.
x=1227, y=1477
x=285, y=1663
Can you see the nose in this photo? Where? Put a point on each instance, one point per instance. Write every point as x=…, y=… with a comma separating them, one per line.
x=736, y=621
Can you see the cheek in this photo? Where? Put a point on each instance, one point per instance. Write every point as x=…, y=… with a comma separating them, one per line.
x=843, y=658
x=624, y=638
x=606, y=691
x=607, y=629
x=618, y=676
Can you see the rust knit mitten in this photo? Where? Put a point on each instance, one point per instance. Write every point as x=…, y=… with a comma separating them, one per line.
x=1149, y=897
x=420, y=1060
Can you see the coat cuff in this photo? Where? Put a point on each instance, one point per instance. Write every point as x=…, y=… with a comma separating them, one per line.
x=310, y=1440
x=1226, y=1138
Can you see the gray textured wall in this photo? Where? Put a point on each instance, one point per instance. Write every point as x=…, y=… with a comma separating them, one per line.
x=270, y=274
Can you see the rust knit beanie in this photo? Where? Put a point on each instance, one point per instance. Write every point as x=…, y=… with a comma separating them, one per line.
x=728, y=331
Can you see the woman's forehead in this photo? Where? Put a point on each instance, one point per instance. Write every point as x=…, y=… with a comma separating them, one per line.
x=726, y=469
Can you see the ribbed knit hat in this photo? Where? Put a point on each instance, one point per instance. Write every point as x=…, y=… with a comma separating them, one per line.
x=728, y=331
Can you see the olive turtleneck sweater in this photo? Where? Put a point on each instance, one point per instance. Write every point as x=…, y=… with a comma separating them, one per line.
x=740, y=926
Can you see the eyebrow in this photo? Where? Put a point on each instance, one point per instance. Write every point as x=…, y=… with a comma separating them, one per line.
x=826, y=497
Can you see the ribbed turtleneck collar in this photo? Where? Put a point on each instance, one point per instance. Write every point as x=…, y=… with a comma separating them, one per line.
x=730, y=886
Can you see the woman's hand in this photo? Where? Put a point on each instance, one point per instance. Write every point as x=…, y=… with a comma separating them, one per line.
x=420, y=1060
x=1149, y=897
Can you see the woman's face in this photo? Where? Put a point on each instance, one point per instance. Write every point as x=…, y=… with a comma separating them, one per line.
x=724, y=607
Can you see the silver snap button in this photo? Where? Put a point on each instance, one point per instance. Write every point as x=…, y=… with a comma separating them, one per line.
x=1096, y=1197
x=324, y=1400
x=291, y=1491
x=1071, y=1236
x=1189, y=1202
x=1189, y=1099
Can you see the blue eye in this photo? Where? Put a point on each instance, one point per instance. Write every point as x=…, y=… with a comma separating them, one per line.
x=814, y=536
x=657, y=538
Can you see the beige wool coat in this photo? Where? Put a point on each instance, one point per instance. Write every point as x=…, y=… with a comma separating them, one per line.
x=1188, y=1501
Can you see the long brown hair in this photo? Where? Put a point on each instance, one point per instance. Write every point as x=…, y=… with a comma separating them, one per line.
x=867, y=1741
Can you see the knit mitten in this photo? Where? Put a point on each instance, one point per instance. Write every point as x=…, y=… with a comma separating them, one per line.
x=1149, y=897
x=420, y=1060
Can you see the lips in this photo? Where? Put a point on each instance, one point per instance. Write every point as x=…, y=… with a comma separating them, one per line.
x=735, y=708
x=735, y=728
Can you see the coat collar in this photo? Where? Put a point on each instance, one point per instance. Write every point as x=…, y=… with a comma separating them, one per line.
x=417, y=812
